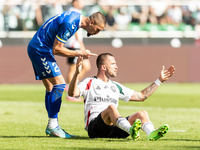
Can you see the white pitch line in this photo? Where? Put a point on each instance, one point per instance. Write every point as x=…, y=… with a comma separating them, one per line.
x=82, y=105
x=177, y=130
x=37, y=104
x=159, y=108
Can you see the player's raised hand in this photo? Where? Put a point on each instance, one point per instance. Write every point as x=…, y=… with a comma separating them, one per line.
x=79, y=64
x=86, y=54
x=165, y=74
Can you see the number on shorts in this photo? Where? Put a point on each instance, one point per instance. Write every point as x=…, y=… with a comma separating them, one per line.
x=56, y=69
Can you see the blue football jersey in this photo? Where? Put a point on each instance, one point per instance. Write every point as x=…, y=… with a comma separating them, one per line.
x=61, y=27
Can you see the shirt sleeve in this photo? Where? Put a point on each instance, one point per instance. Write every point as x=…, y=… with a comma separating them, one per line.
x=124, y=92
x=69, y=25
x=64, y=33
x=83, y=86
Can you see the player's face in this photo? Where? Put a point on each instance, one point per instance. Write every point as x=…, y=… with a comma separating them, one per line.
x=94, y=29
x=111, y=67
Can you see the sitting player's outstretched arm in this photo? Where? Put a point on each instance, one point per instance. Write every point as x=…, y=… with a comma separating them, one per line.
x=73, y=90
x=144, y=94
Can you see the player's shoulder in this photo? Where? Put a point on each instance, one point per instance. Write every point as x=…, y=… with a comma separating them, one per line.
x=74, y=9
x=88, y=79
x=115, y=82
x=72, y=18
x=71, y=14
x=118, y=85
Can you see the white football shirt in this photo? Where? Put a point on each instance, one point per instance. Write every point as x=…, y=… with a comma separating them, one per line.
x=98, y=95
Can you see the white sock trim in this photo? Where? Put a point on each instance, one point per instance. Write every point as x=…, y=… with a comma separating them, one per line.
x=53, y=123
x=123, y=124
x=148, y=127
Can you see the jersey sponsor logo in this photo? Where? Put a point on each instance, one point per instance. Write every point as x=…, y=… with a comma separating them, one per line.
x=107, y=99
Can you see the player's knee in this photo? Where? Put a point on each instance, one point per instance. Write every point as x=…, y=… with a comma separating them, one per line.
x=145, y=112
x=142, y=114
x=111, y=108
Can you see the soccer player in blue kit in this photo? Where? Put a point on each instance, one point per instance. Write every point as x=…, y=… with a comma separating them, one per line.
x=48, y=41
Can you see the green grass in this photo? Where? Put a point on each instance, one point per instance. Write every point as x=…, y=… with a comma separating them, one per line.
x=23, y=119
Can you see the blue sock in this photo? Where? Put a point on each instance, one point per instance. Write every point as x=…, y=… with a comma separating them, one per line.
x=55, y=100
x=47, y=101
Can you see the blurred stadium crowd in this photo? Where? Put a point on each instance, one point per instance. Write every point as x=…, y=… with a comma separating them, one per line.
x=29, y=15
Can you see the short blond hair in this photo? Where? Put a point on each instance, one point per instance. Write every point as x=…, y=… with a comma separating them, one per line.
x=98, y=18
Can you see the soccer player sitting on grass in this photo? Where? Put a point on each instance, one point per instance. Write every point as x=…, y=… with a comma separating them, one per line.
x=101, y=97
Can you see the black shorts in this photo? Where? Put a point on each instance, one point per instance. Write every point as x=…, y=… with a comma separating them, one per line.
x=72, y=60
x=98, y=129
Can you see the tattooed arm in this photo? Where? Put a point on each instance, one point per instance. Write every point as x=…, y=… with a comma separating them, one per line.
x=144, y=94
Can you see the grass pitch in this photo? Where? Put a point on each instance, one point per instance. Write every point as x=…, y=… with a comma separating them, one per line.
x=23, y=119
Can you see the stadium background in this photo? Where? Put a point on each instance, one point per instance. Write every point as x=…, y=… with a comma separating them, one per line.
x=140, y=49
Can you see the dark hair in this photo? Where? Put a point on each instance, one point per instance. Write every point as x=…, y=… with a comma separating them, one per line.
x=98, y=18
x=101, y=58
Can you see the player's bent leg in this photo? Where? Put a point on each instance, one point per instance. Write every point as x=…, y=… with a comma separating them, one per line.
x=134, y=130
x=110, y=115
x=142, y=115
x=158, y=133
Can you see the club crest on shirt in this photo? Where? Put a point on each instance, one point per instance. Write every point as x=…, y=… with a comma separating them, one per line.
x=113, y=88
x=67, y=35
x=105, y=87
